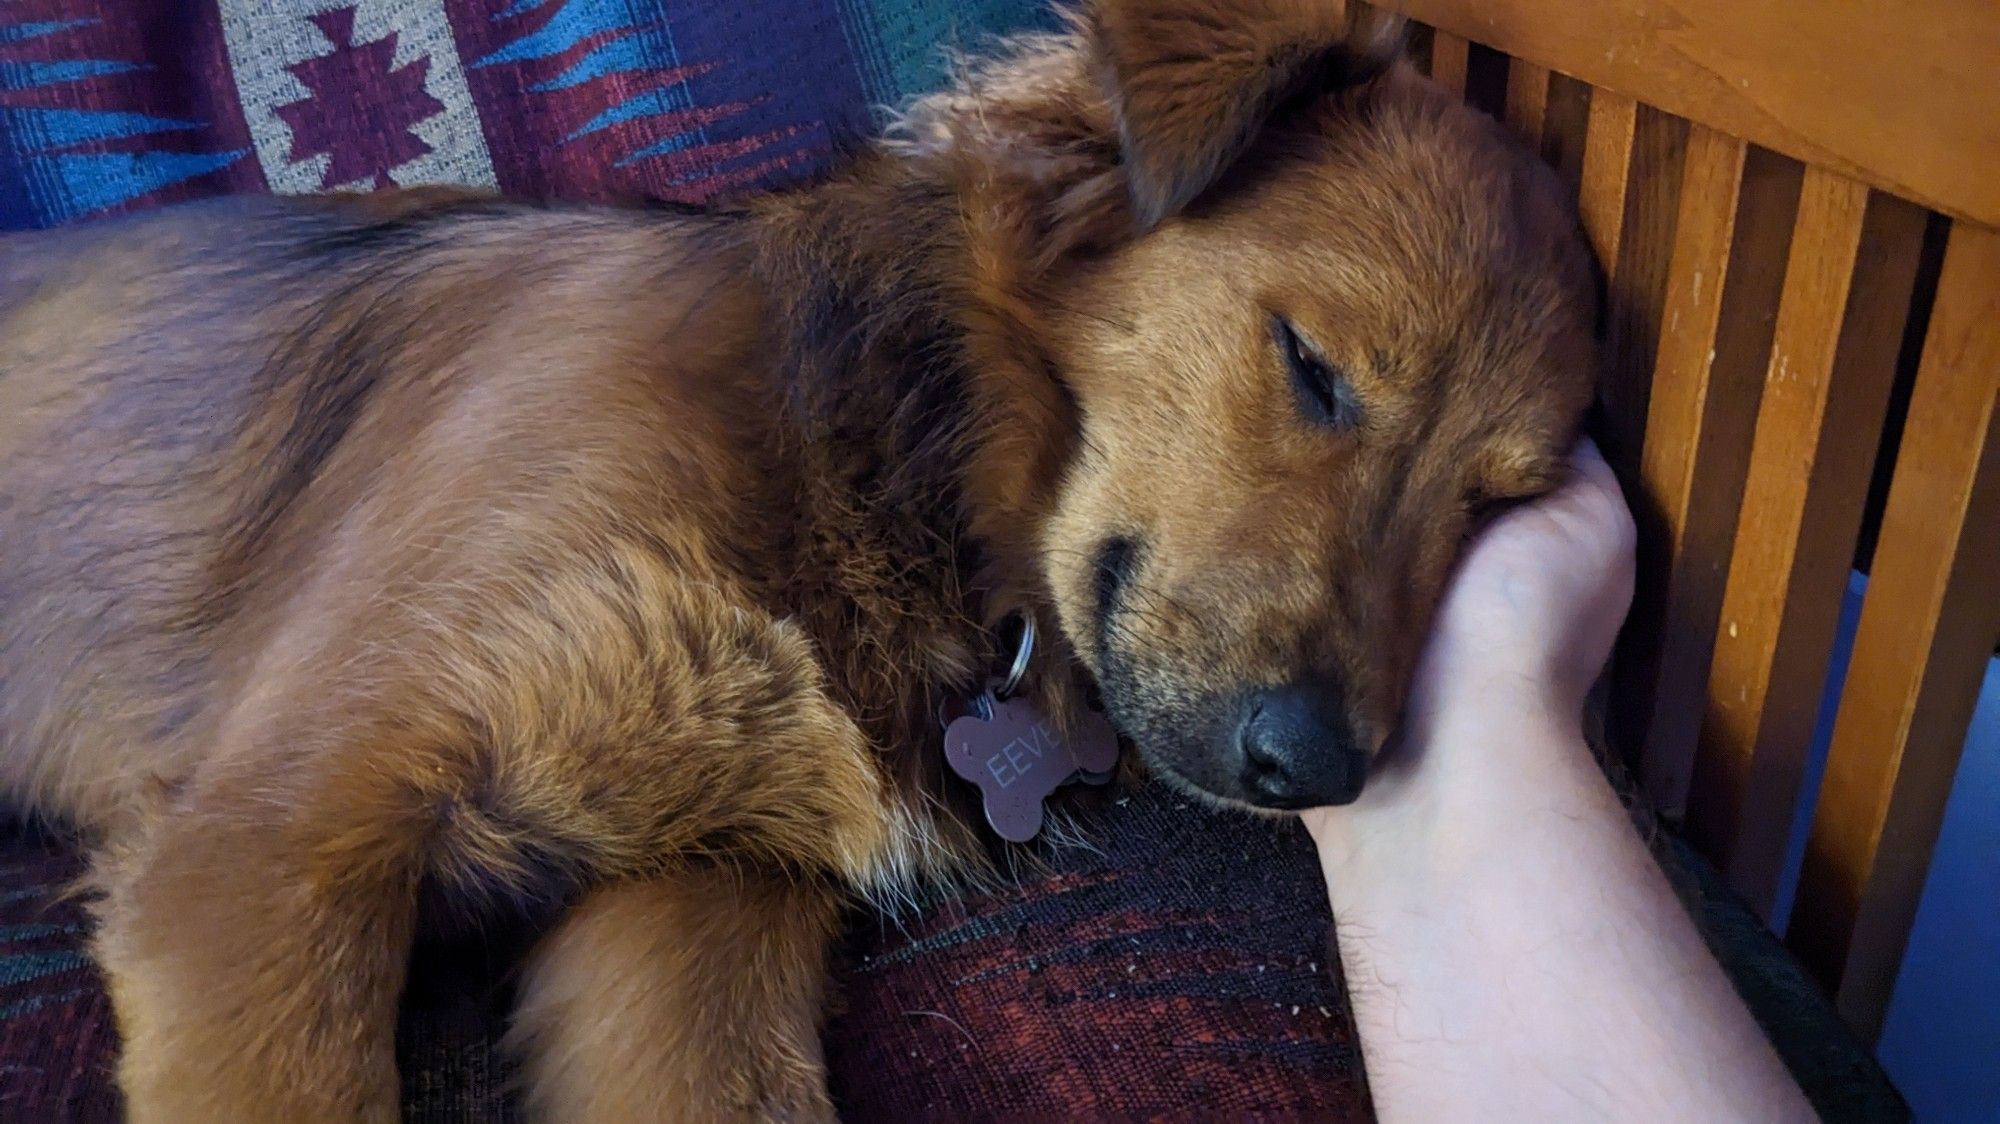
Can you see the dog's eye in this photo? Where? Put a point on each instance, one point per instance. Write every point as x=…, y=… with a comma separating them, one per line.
x=1325, y=394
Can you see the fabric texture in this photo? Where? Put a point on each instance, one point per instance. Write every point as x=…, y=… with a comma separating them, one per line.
x=116, y=105
x=1175, y=969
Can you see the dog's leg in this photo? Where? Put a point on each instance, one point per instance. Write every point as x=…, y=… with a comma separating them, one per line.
x=249, y=984
x=684, y=987
x=257, y=936
x=696, y=995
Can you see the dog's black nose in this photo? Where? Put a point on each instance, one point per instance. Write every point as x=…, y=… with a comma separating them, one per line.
x=1299, y=748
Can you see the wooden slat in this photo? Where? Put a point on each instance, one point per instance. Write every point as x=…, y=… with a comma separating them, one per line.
x=1607, y=168
x=1899, y=95
x=1638, y=281
x=1527, y=99
x=1449, y=61
x=1565, y=119
x=1696, y=279
x=1847, y=291
x=1722, y=292
x=1927, y=628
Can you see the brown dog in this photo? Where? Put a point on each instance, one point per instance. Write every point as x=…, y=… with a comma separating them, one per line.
x=372, y=562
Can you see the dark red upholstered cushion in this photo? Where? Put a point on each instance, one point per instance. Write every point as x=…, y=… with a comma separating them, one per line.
x=1172, y=970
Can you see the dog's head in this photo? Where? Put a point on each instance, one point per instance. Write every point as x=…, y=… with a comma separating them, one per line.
x=1312, y=319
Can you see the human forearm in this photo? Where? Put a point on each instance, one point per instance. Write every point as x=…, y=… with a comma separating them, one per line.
x=1512, y=950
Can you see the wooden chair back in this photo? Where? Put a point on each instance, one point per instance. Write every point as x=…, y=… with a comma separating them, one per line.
x=1796, y=208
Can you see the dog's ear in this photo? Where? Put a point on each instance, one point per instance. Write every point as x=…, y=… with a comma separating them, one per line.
x=1190, y=82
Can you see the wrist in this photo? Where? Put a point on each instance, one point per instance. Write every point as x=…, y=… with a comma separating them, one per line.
x=1481, y=699
x=1464, y=778
x=1482, y=727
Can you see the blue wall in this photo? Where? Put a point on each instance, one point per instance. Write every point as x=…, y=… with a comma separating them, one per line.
x=1941, y=1042
x=1942, y=1039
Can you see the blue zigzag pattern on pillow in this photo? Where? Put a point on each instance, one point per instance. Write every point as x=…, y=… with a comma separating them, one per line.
x=18, y=32
x=28, y=75
x=38, y=162
x=633, y=37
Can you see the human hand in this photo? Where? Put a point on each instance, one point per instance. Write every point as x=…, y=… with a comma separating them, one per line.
x=1530, y=617
x=1523, y=630
x=1499, y=921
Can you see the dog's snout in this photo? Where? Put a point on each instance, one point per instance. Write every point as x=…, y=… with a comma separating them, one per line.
x=1299, y=748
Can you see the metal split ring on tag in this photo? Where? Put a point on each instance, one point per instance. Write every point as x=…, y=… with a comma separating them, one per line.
x=1023, y=654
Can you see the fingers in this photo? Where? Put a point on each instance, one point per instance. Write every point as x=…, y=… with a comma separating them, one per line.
x=1589, y=469
x=1592, y=466
x=1592, y=493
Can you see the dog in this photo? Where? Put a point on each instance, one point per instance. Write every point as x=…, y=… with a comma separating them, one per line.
x=374, y=563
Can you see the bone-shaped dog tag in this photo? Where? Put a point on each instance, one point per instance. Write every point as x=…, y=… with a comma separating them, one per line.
x=1018, y=756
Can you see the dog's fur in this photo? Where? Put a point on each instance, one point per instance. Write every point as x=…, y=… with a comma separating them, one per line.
x=371, y=562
